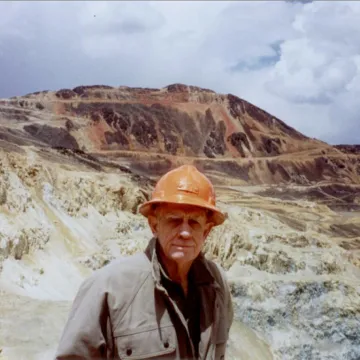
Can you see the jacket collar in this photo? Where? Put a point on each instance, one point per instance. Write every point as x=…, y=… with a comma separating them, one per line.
x=199, y=269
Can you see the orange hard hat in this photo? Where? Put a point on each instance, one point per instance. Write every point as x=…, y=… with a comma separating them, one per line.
x=185, y=185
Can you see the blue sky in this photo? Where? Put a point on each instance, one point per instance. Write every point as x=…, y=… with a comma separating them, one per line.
x=298, y=60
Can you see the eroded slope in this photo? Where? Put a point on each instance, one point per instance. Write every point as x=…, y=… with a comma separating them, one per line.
x=294, y=266
x=149, y=131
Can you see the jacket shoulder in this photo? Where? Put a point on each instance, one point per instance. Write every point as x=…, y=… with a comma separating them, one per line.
x=133, y=263
x=218, y=273
x=120, y=272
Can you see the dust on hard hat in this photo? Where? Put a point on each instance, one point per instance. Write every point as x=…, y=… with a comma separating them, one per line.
x=185, y=185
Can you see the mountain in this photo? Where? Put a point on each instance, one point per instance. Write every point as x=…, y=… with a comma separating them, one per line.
x=76, y=164
x=349, y=149
x=149, y=131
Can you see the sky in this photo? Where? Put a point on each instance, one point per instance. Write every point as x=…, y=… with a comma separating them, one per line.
x=298, y=60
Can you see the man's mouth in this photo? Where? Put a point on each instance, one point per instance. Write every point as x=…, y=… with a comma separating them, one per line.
x=183, y=245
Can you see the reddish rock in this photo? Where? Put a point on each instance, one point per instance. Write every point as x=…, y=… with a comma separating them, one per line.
x=177, y=88
x=181, y=124
x=53, y=136
x=65, y=94
x=238, y=140
x=349, y=149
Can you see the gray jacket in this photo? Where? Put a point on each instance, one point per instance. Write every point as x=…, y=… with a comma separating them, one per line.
x=121, y=312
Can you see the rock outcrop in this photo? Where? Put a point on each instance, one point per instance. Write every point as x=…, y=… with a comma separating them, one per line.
x=349, y=149
x=177, y=120
x=75, y=165
x=148, y=131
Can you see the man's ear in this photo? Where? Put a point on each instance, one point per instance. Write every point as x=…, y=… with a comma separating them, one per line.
x=153, y=223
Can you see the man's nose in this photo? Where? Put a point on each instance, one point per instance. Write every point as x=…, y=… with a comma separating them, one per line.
x=185, y=231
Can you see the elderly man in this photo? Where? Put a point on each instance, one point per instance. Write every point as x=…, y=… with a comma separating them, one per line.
x=168, y=302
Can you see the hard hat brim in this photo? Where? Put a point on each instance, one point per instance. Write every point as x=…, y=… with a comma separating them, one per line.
x=217, y=217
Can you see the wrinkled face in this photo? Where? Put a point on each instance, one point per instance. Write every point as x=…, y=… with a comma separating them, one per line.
x=181, y=230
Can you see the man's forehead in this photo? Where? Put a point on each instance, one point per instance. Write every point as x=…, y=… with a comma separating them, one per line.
x=178, y=209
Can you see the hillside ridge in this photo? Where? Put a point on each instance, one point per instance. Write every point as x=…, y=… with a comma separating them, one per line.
x=148, y=131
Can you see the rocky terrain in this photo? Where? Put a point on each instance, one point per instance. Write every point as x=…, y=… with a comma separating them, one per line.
x=349, y=149
x=148, y=131
x=76, y=164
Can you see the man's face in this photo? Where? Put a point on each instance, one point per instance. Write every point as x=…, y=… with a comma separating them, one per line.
x=181, y=230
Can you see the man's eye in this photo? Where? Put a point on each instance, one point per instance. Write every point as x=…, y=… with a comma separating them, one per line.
x=175, y=221
x=193, y=222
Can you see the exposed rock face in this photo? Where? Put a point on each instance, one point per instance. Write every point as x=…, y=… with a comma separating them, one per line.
x=349, y=149
x=215, y=143
x=239, y=140
x=56, y=137
x=195, y=125
x=76, y=164
x=294, y=267
x=177, y=120
x=293, y=280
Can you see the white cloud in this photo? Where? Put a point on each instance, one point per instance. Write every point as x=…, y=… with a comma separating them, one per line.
x=320, y=62
x=305, y=74
x=299, y=62
x=320, y=65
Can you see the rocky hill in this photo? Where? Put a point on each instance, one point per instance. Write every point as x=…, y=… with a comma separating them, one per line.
x=349, y=149
x=149, y=131
x=76, y=164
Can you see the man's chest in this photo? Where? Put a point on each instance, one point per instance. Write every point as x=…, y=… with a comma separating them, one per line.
x=159, y=324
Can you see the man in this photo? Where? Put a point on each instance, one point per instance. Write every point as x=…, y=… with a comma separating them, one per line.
x=166, y=303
